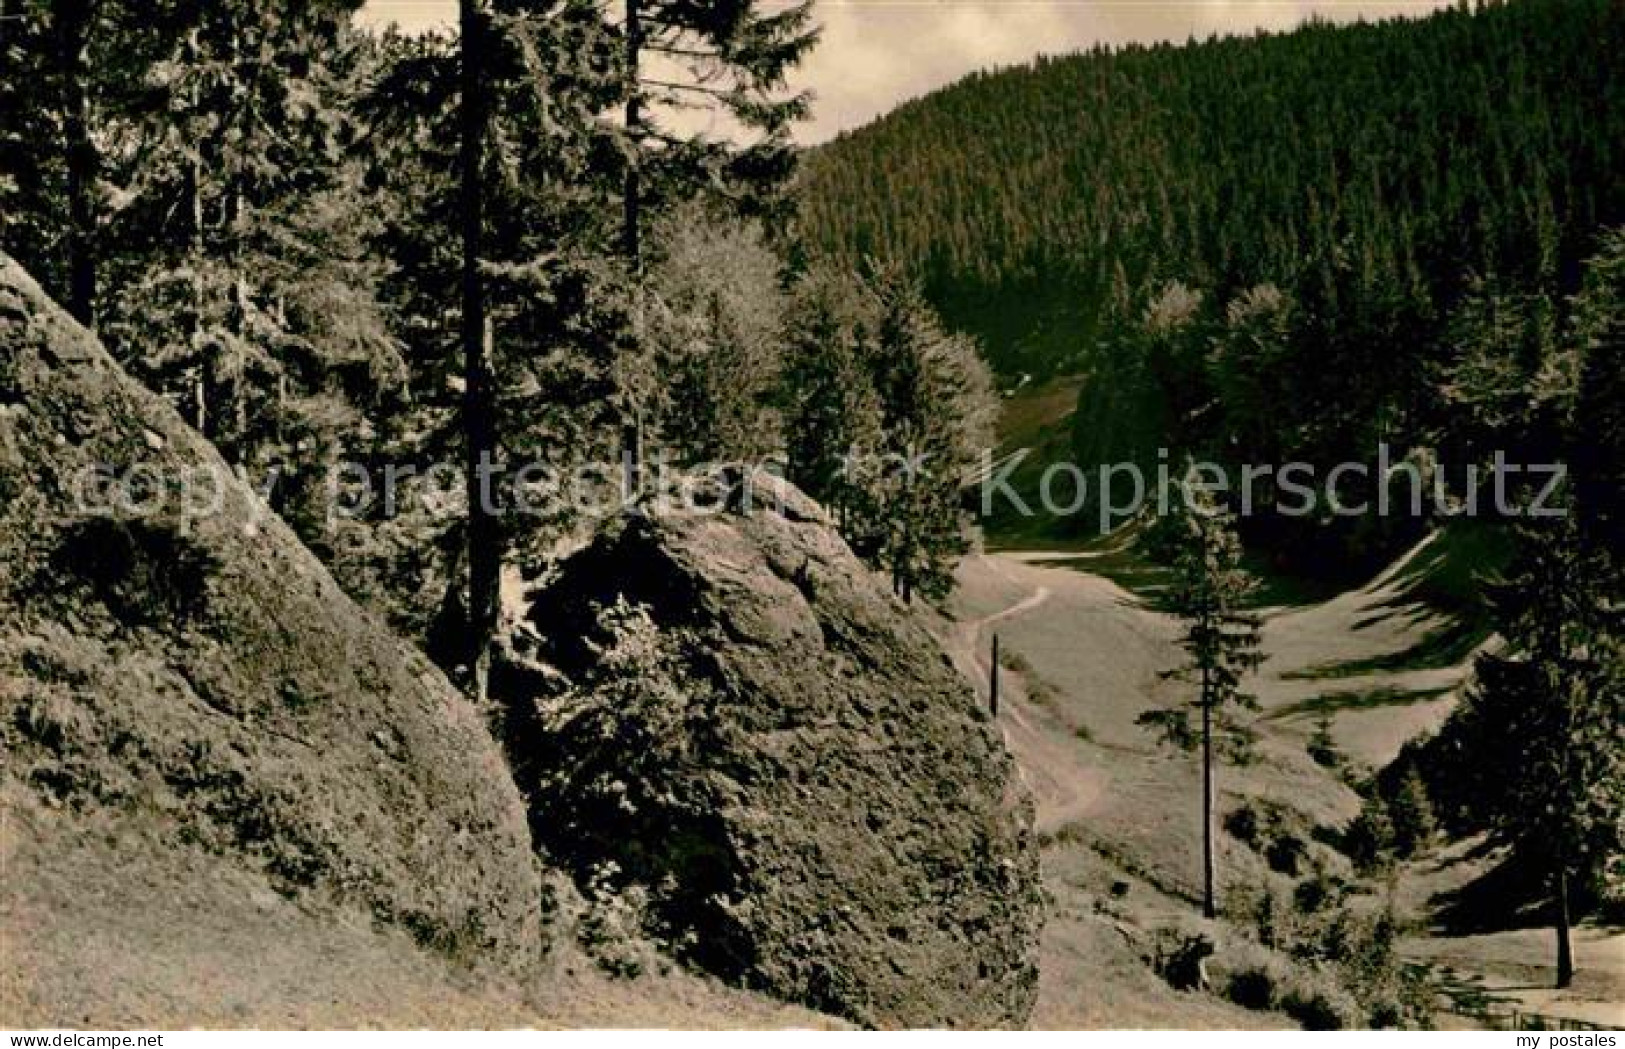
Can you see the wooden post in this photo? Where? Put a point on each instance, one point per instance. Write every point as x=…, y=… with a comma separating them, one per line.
x=993, y=681
x=1210, y=904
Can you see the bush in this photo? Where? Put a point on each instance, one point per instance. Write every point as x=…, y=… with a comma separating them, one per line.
x=1323, y=748
x=1181, y=959
x=1326, y=963
x=1041, y=693
x=1245, y=825
x=1252, y=988
x=1014, y=661
x=611, y=930
x=1318, y=892
x=1286, y=854
x=1369, y=840
x=1274, y=831
x=1322, y=1008
x=1411, y=813
x=1307, y=994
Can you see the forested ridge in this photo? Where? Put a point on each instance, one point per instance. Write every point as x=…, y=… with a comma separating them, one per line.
x=1294, y=247
x=1045, y=204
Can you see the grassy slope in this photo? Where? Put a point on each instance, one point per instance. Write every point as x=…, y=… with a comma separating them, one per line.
x=1037, y=417
x=1113, y=807
x=109, y=924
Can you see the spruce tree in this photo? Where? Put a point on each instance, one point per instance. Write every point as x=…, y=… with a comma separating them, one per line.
x=500, y=186
x=179, y=180
x=715, y=326
x=937, y=411
x=32, y=212
x=1221, y=644
x=832, y=421
x=73, y=24
x=1598, y=455
x=484, y=551
x=1412, y=815
x=728, y=58
x=242, y=287
x=1557, y=691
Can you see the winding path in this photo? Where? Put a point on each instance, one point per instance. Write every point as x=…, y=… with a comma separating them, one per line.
x=1062, y=789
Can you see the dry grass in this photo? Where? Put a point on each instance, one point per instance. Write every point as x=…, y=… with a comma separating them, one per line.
x=106, y=923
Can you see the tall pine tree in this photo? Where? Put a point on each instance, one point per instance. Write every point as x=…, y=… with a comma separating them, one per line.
x=684, y=60
x=1221, y=643
x=1558, y=691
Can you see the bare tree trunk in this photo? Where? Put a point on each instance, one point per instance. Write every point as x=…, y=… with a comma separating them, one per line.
x=73, y=25
x=233, y=227
x=1565, y=947
x=479, y=422
x=1209, y=866
x=236, y=322
x=194, y=198
x=631, y=235
x=632, y=247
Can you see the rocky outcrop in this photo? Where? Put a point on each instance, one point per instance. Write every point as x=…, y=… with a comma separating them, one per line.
x=199, y=671
x=753, y=735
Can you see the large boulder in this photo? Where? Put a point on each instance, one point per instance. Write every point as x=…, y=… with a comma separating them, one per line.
x=198, y=674
x=722, y=709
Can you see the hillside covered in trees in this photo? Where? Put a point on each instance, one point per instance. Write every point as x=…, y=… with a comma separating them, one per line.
x=1265, y=249
x=1379, y=165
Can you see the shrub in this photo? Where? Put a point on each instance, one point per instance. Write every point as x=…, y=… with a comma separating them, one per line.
x=1411, y=814
x=1317, y=892
x=1245, y=825
x=1252, y=988
x=1323, y=748
x=1307, y=994
x=1270, y=922
x=1274, y=831
x=611, y=930
x=1041, y=692
x=1328, y=964
x=1324, y=1008
x=1286, y=853
x=1014, y=661
x=1369, y=840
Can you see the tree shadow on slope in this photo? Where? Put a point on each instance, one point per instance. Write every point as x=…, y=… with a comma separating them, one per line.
x=1370, y=699
x=1448, y=645
x=1508, y=896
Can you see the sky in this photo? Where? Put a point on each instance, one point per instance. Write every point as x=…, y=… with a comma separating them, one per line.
x=876, y=54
